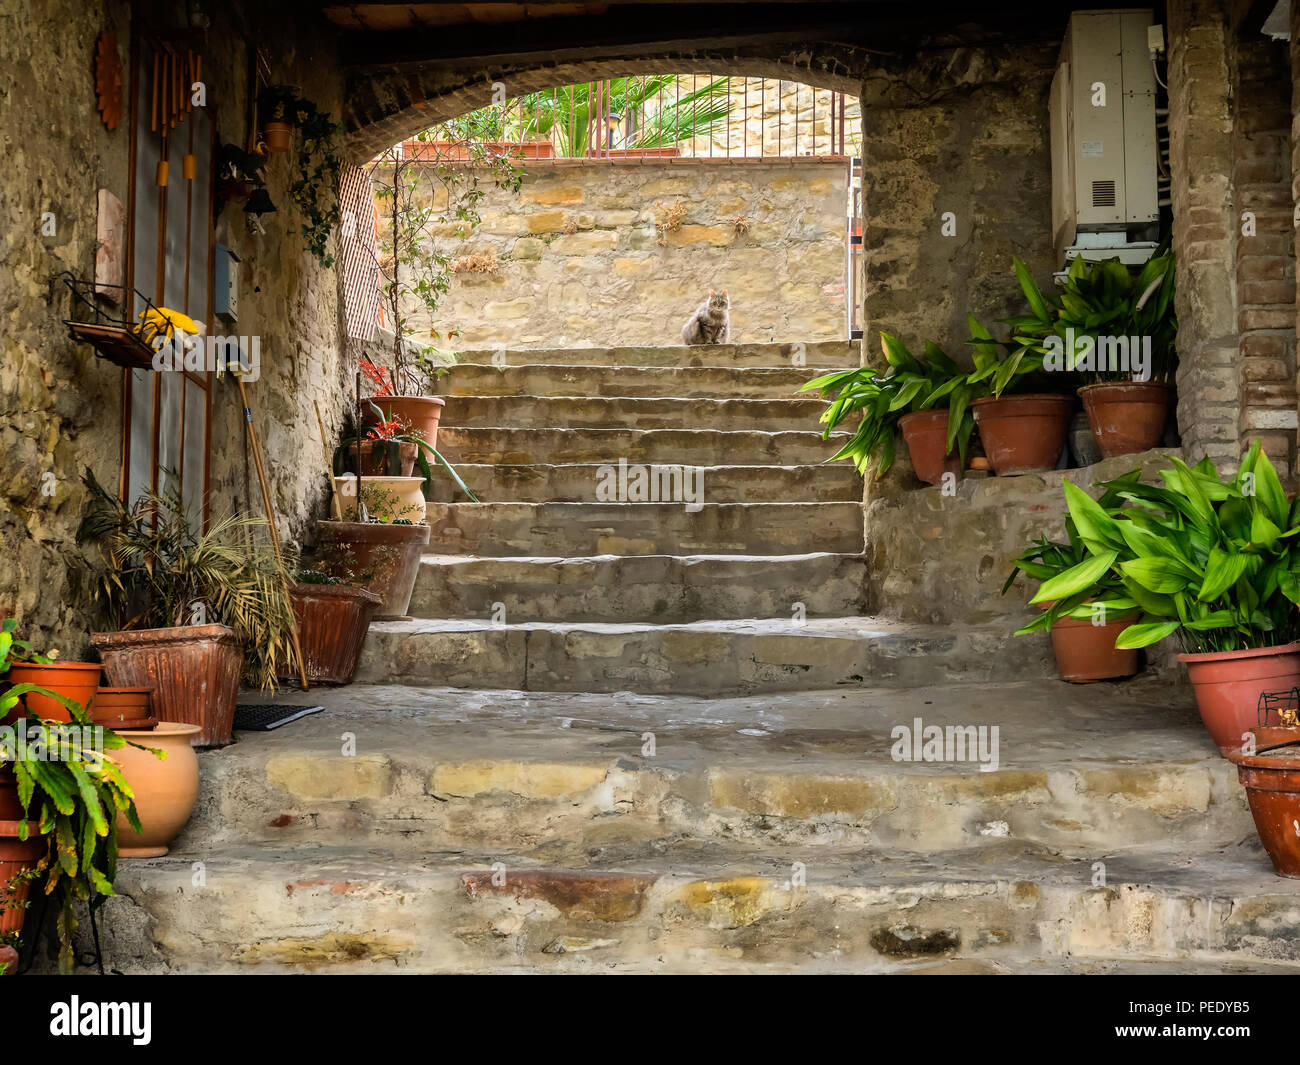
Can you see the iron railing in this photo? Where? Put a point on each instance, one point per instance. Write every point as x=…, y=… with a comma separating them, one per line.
x=655, y=117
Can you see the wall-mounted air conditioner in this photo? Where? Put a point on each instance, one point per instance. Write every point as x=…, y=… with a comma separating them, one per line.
x=1104, y=147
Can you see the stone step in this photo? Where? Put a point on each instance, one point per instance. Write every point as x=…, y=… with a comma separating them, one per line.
x=721, y=382
x=702, y=658
x=505, y=529
x=696, y=447
x=1082, y=770
x=623, y=588
x=577, y=482
x=263, y=909
x=586, y=412
x=830, y=354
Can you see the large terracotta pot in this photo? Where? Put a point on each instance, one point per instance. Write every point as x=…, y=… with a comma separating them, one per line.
x=384, y=559
x=165, y=788
x=333, y=620
x=926, y=435
x=387, y=498
x=1022, y=434
x=16, y=856
x=1127, y=417
x=77, y=681
x=192, y=669
x=123, y=709
x=1271, y=778
x=421, y=413
x=1228, y=685
x=1086, y=652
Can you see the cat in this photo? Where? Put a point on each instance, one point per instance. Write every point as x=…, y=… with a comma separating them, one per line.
x=710, y=324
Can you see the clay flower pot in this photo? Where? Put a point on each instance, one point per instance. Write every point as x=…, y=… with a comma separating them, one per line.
x=1022, y=434
x=1271, y=777
x=420, y=413
x=1127, y=416
x=383, y=559
x=16, y=856
x=123, y=709
x=1086, y=652
x=193, y=671
x=926, y=435
x=165, y=788
x=1228, y=685
x=278, y=136
x=386, y=498
x=333, y=620
x=77, y=681
x=374, y=458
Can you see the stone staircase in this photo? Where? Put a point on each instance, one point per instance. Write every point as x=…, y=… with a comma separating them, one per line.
x=609, y=741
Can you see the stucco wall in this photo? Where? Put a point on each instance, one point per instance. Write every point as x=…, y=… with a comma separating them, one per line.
x=583, y=263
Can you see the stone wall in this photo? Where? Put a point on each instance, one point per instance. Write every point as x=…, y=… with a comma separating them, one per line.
x=60, y=405
x=584, y=258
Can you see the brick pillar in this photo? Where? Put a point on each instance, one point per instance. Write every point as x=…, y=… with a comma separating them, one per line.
x=1265, y=253
x=1204, y=230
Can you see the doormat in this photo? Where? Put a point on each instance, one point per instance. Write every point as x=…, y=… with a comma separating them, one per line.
x=263, y=717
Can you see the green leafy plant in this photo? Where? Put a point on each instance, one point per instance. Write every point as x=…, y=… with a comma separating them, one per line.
x=999, y=365
x=912, y=384
x=72, y=800
x=389, y=436
x=156, y=568
x=1210, y=560
x=1100, y=299
x=315, y=576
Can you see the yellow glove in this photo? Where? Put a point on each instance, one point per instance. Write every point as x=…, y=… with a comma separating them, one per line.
x=162, y=320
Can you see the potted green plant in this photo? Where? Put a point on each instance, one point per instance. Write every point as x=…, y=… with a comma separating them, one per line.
x=1021, y=433
x=188, y=608
x=1214, y=563
x=333, y=616
x=1083, y=631
x=926, y=398
x=59, y=816
x=1118, y=328
x=277, y=107
x=77, y=681
x=1268, y=767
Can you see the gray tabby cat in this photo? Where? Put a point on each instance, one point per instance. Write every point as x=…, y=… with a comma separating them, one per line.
x=710, y=324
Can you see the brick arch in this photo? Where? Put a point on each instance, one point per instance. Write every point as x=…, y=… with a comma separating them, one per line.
x=387, y=106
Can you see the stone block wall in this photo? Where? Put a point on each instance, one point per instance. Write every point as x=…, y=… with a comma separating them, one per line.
x=60, y=405
x=584, y=258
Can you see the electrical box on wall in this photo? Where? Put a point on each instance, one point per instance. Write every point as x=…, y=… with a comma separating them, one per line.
x=225, y=284
x=1105, y=200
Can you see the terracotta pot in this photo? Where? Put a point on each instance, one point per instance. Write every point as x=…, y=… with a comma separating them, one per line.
x=1023, y=434
x=926, y=435
x=383, y=559
x=278, y=136
x=16, y=856
x=459, y=150
x=165, y=788
x=8, y=961
x=1086, y=652
x=77, y=681
x=1271, y=778
x=1127, y=416
x=333, y=620
x=123, y=709
x=374, y=459
x=420, y=413
x=386, y=498
x=1228, y=685
x=192, y=669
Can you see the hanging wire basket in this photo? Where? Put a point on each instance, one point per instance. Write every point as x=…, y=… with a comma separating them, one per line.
x=112, y=335
x=1284, y=705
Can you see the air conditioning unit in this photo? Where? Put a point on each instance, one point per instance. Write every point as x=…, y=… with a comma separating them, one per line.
x=1105, y=201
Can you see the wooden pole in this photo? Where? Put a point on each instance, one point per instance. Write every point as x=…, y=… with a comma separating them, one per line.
x=270, y=521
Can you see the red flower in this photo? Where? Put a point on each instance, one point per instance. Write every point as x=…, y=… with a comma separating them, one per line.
x=381, y=378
